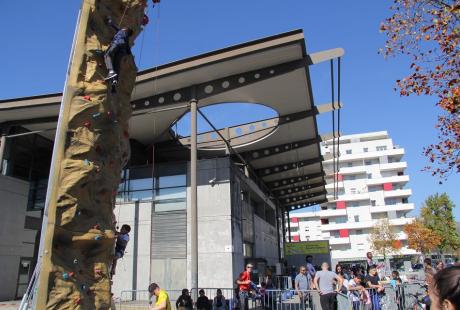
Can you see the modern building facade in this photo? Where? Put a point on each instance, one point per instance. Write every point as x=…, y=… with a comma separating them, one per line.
x=241, y=170
x=370, y=185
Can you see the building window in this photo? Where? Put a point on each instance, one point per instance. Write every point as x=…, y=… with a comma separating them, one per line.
x=356, y=218
x=368, y=162
x=373, y=203
x=405, y=200
x=382, y=148
x=324, y=221
x=359, y=231
x=400, y=173
x=348, y=151
x=353, y=190
x=341, y=219
x=350, y=164
x=365, y=149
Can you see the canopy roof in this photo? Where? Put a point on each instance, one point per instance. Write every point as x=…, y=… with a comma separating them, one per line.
x=283, y=151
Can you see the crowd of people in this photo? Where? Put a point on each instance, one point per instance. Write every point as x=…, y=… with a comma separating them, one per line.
x=363, y=286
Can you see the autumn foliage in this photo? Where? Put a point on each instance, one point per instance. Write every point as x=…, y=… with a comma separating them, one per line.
x=428, y=32
x=421, y=238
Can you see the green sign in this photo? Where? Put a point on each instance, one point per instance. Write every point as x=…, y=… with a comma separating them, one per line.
x=308, y=247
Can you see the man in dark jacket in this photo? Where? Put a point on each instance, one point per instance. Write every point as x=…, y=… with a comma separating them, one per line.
x=118, y=48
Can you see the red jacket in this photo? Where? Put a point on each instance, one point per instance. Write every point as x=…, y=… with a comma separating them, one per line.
x=244, y=276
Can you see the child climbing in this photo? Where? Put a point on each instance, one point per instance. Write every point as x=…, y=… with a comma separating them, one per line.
x=118, y=48
x=120, y=246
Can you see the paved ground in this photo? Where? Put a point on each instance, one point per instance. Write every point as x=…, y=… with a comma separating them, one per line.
x=10, y=305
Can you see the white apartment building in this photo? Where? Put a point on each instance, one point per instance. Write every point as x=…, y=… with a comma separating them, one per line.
x=371, y=186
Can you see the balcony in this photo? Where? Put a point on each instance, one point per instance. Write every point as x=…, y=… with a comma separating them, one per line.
x=397, y=193
x=366, y=224
x=393, y=166
x=351, y=197
x=345, y=240
x=396, y=207
x=399, y=152
x=353, y=170
x=392, y=179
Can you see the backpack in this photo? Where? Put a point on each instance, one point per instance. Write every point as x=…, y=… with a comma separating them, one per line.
x=219, y=301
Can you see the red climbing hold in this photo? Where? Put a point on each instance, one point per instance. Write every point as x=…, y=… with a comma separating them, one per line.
x=109, y=114
x=97, y=226
x=126, y=134
x=145, y=20
x=77, y=300
x=88, y=98
x=71, y=274
x=87, y=124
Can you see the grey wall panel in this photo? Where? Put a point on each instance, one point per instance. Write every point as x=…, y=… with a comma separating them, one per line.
x=169, y=235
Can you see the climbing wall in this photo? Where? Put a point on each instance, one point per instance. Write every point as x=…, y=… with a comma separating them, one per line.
x=91, y=148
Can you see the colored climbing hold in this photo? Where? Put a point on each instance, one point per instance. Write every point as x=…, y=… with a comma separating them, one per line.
x=71, y=274
x=145, y=20
x=109, y=114
x=96, y=115
x=87, y=124
x=88, y=98
x=97, y=226
x=65, y=276
x=98, y=237
x=126, y=134
x=83, y=287
x=78, y=213
x=86, y=162
x=77, y=300
x=75, y=261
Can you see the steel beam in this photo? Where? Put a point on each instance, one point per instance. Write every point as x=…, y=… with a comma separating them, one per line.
x=282, y=148
x=285, y=182
x=297, y=189
x=266, y=171
x=305, y=204
x=295, y=199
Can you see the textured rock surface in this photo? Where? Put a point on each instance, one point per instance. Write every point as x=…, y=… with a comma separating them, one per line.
x=91, y=150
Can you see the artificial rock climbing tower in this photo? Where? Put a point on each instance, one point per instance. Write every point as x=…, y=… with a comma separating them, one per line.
x=91, y=148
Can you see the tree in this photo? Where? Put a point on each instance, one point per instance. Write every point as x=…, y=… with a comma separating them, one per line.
x=421, y=238
x=428, y=32
x=383, y=240
x=437, y=215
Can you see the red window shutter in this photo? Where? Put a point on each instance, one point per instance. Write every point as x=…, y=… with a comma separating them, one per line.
x=343, y=233
x=388, y=186
x=294, y=219
x=340, y=205
x=296, y=238
x=339, y=177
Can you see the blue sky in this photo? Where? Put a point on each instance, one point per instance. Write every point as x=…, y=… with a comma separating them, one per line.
x=37, y=40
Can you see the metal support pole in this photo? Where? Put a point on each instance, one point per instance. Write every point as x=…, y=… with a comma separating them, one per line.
x=2, y=150
x=289, y=226
x=283, y=224
x=193, y=199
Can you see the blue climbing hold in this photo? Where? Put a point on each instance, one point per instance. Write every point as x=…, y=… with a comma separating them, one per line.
x=86, y=162
x=65, y=276
x=96, y=115
x=97, y=238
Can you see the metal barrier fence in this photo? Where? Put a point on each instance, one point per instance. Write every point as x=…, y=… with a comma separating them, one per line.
x=400, y=297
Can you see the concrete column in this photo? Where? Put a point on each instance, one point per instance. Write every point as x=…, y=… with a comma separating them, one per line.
x=193, y=198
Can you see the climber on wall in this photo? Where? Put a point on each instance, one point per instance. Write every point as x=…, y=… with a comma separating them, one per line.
x=118, y=48
x=120, y=245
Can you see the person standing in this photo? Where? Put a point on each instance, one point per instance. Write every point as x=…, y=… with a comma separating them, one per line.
x=324, y=281
x=162, y=298
x=202, y=302
x=369, y=261
x=244, y=283
x=373, y=282
x=303, y=284
x=310, y=268
x=184, y=302
x=219, y=302
x=355, y=292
